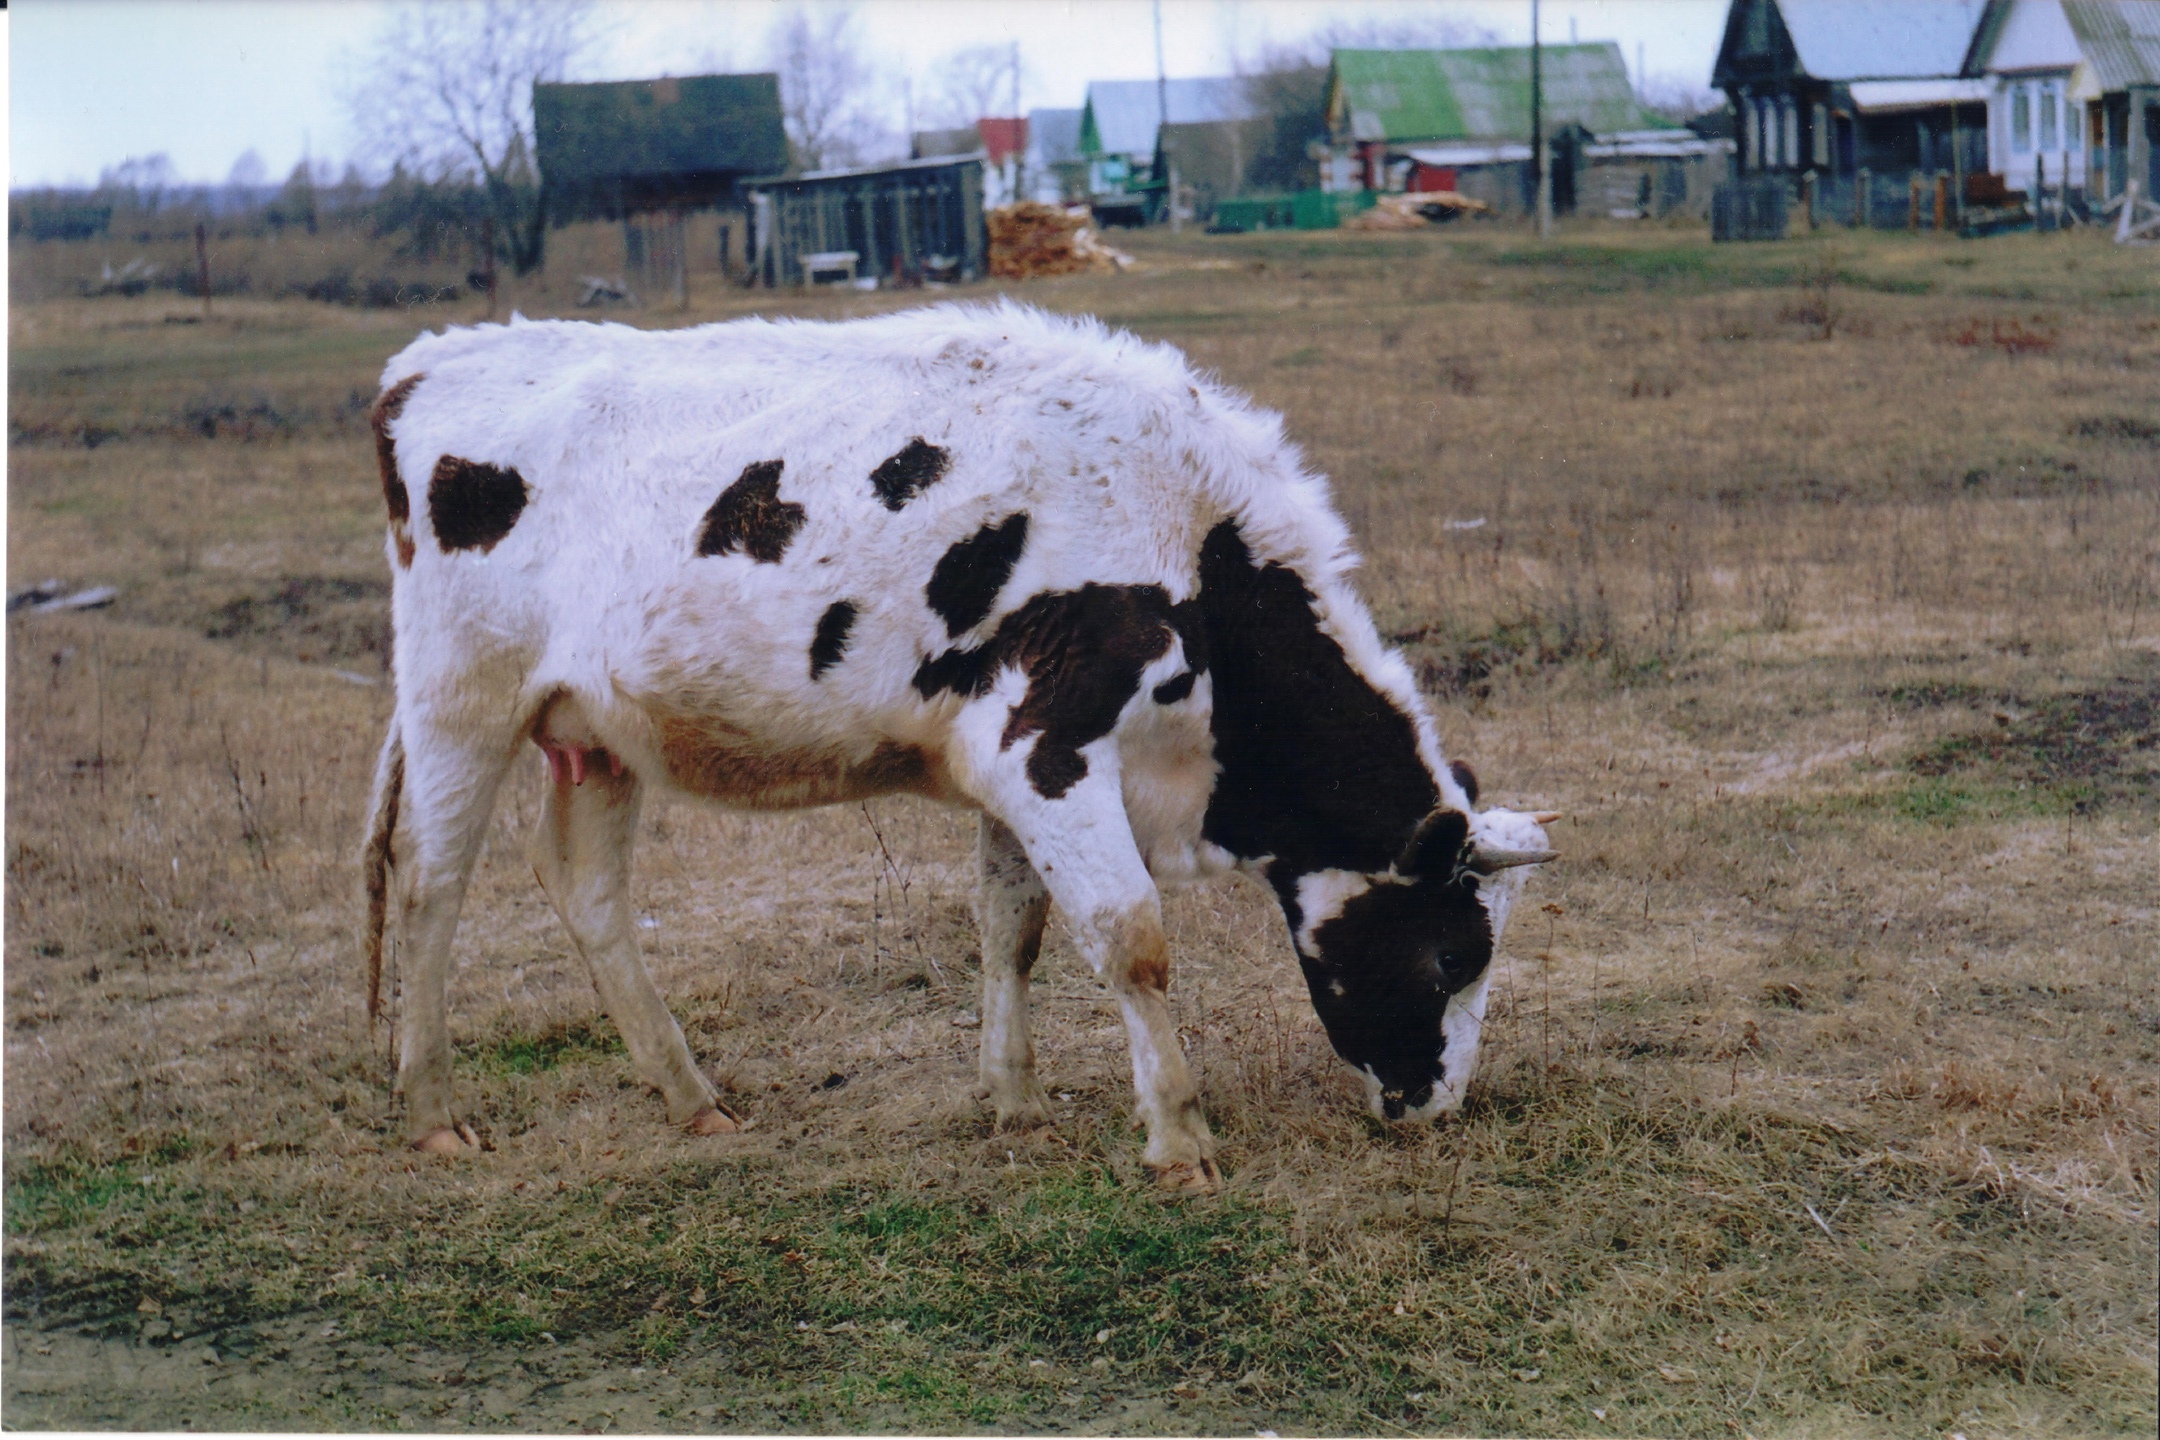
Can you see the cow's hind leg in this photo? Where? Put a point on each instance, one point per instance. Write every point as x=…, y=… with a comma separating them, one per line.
x=1011, y=908
x=449, y=792
x=581, y=853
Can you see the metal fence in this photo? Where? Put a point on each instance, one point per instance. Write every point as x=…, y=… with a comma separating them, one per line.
x=1753, y=207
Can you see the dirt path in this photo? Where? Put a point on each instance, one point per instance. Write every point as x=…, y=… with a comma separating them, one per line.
x=301, y=1374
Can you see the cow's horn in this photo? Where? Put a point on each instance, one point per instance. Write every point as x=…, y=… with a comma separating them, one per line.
x=1487, y=858
x=1546, y=817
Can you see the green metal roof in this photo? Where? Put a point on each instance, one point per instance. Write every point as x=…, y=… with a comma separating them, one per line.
x=1480, y=94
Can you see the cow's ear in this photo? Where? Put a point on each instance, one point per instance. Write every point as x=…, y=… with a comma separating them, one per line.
x=1437, y=846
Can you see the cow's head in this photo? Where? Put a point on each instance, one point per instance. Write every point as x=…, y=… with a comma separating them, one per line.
x=1384, y=953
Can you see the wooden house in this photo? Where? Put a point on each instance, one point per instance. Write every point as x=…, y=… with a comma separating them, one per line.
x=2028, y=56
x=1427, y=120
x=650, y=152
x=1055, y=169
x=1841, y=89
x=1119, y=125
x=2118, y=83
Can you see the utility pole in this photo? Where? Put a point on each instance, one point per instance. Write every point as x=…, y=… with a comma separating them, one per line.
x=1543, y=171
x=1162, y=107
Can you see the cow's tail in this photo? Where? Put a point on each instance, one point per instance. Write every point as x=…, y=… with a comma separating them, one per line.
x=376, y=859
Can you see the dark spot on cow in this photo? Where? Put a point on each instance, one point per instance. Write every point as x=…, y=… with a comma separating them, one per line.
x=751, y=517
x=1465, y=777
x=918, y=465
x=1319, y=768
x=965, y=584
x=1176, y=688
x=388, y=406
x=473, y=505
x=830, y=642
x=1082, y=652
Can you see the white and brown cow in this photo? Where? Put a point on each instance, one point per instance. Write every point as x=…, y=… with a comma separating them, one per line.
x=987, y=556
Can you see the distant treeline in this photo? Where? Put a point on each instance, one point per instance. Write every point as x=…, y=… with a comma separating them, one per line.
x=423, y=219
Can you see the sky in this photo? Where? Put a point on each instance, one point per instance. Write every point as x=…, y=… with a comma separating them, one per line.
x=95, y=82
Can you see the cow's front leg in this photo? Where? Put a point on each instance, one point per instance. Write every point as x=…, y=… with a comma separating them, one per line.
x=581, y=853
x=1011, y=907
x=1081, y=844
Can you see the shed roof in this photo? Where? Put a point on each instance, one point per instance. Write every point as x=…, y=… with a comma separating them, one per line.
x=1054, y=136
x=2121, y=39
x=604, y=147
x=1479, y=94
x=1121, y=116
x=930, y=144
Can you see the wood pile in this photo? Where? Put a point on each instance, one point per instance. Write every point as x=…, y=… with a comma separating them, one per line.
x=1032, y=239
x=1415, y=211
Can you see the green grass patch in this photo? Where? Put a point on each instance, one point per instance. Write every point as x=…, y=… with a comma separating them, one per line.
x=1569, y=1192
x=570, y=1043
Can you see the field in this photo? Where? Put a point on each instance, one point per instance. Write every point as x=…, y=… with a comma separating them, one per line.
x=1818, y=583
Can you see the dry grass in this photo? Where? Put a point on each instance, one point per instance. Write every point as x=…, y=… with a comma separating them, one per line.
x=1819, y=1095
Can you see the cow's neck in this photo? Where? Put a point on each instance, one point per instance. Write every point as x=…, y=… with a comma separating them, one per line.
x=1319, y=768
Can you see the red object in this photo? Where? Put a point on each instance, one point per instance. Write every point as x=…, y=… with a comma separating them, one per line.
x=1372, y=165
x=1424, y=179
x=1002, y=137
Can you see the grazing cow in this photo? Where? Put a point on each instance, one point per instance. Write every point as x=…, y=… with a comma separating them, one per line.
x=987, y=556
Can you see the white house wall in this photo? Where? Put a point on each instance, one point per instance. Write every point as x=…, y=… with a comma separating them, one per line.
x=2032, y=60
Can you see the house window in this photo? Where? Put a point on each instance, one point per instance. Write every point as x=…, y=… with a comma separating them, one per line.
x=1821, y=138
x=2020, y=119
x=2050, y=103
x=1749, y=124
x=1792, y=131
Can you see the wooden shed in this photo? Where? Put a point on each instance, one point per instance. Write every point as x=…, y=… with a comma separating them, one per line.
x=608, y=151
x=922, y=219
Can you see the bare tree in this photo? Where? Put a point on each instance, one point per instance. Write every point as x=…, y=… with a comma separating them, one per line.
x=828, y=87
x=446, y=92
x=971, y=83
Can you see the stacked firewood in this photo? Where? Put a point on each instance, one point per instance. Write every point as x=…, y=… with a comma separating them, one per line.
x=1415, y=211
x=1032, y=239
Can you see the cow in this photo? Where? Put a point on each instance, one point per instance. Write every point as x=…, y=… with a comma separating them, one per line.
x=984, y=555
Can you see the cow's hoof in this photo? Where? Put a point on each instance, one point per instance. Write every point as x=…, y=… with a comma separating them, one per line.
x=714, y=1119
x=1027, y=1115
x=450, y=1140
x=1186, y=1177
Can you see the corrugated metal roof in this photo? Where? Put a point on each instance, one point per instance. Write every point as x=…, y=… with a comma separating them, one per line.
x=1121, y=116
x=1480, y=94
x=1874, y=40
x=2121, y=40
x=1054, y=136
